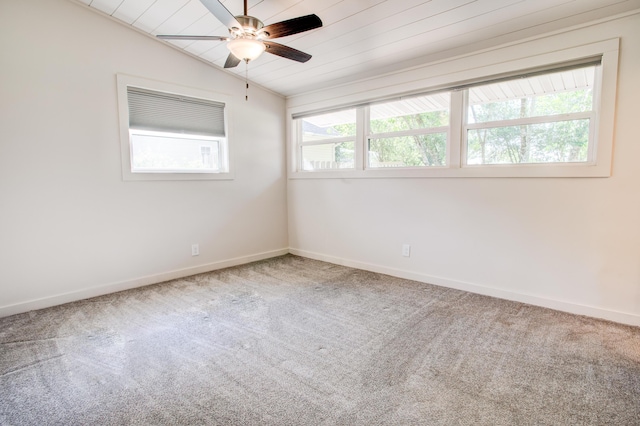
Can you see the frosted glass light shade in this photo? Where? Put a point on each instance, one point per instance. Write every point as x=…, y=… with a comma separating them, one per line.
x=247, y=49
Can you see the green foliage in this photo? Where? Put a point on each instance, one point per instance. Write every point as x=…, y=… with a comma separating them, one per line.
x=414, y=150
x=535, y=106
x=340, y=130
x=345, y=153
x=409, y=122
x=562, y=141
x=409, y=151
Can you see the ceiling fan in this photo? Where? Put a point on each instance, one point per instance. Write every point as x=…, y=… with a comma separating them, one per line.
x=249, y=37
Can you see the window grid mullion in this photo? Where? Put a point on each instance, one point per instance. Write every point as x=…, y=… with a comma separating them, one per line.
x=298, y=151
x=329, y=141
x=362, y=145
x=530, y=120
x=454, y=138
x=412, y=132
x=595, y=109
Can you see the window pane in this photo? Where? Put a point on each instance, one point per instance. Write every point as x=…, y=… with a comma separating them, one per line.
x=543, y=95
x=557, y=142
x=408, y=151
x=173, y=153
x=329, y=156
x=332, y=125
x=421, y=112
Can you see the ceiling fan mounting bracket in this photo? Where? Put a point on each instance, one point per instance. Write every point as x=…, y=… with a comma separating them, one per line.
x=249, y=23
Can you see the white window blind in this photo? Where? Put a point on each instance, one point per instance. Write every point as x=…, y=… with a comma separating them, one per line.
x=166, y=112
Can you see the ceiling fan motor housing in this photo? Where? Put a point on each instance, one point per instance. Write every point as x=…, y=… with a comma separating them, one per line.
x=250, y=26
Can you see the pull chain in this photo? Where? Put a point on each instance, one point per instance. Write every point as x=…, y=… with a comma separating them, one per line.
x=246, y=80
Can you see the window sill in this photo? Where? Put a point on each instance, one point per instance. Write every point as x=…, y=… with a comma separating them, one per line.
x=494, y=171
x=148, y=176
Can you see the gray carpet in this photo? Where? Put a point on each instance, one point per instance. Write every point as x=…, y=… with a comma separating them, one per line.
x=293, y=341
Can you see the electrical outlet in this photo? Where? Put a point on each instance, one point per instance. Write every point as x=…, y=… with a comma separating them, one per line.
x=195, y=250
x=406, y=250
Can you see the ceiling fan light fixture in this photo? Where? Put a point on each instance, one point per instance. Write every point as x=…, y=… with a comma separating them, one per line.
x=246, y=49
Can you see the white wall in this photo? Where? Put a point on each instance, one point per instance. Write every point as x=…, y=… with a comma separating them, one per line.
x=567, y=243
x=70, y=227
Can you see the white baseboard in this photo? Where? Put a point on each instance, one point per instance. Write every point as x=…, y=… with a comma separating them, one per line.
x=73, y=296
x=591, y=311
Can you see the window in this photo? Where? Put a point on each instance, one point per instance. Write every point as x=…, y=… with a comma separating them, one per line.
x=170, y=134
x=546, y=118
x=163, y=152
x=541, y=121
x=409, y=133
x=327, y=141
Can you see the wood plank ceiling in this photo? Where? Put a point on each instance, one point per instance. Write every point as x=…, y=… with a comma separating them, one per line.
x=360, y=38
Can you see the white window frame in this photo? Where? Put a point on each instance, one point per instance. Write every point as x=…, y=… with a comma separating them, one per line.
x=591, y=115
x=124, y=81
x=602, y=127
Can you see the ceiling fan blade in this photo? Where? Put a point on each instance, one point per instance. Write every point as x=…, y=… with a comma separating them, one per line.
x=292, y=26
x=191, y=37
x=286, y=51
x=221, y=13
x=232, y=61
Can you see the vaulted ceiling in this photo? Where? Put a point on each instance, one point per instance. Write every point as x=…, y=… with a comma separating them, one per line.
x=360, y=38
